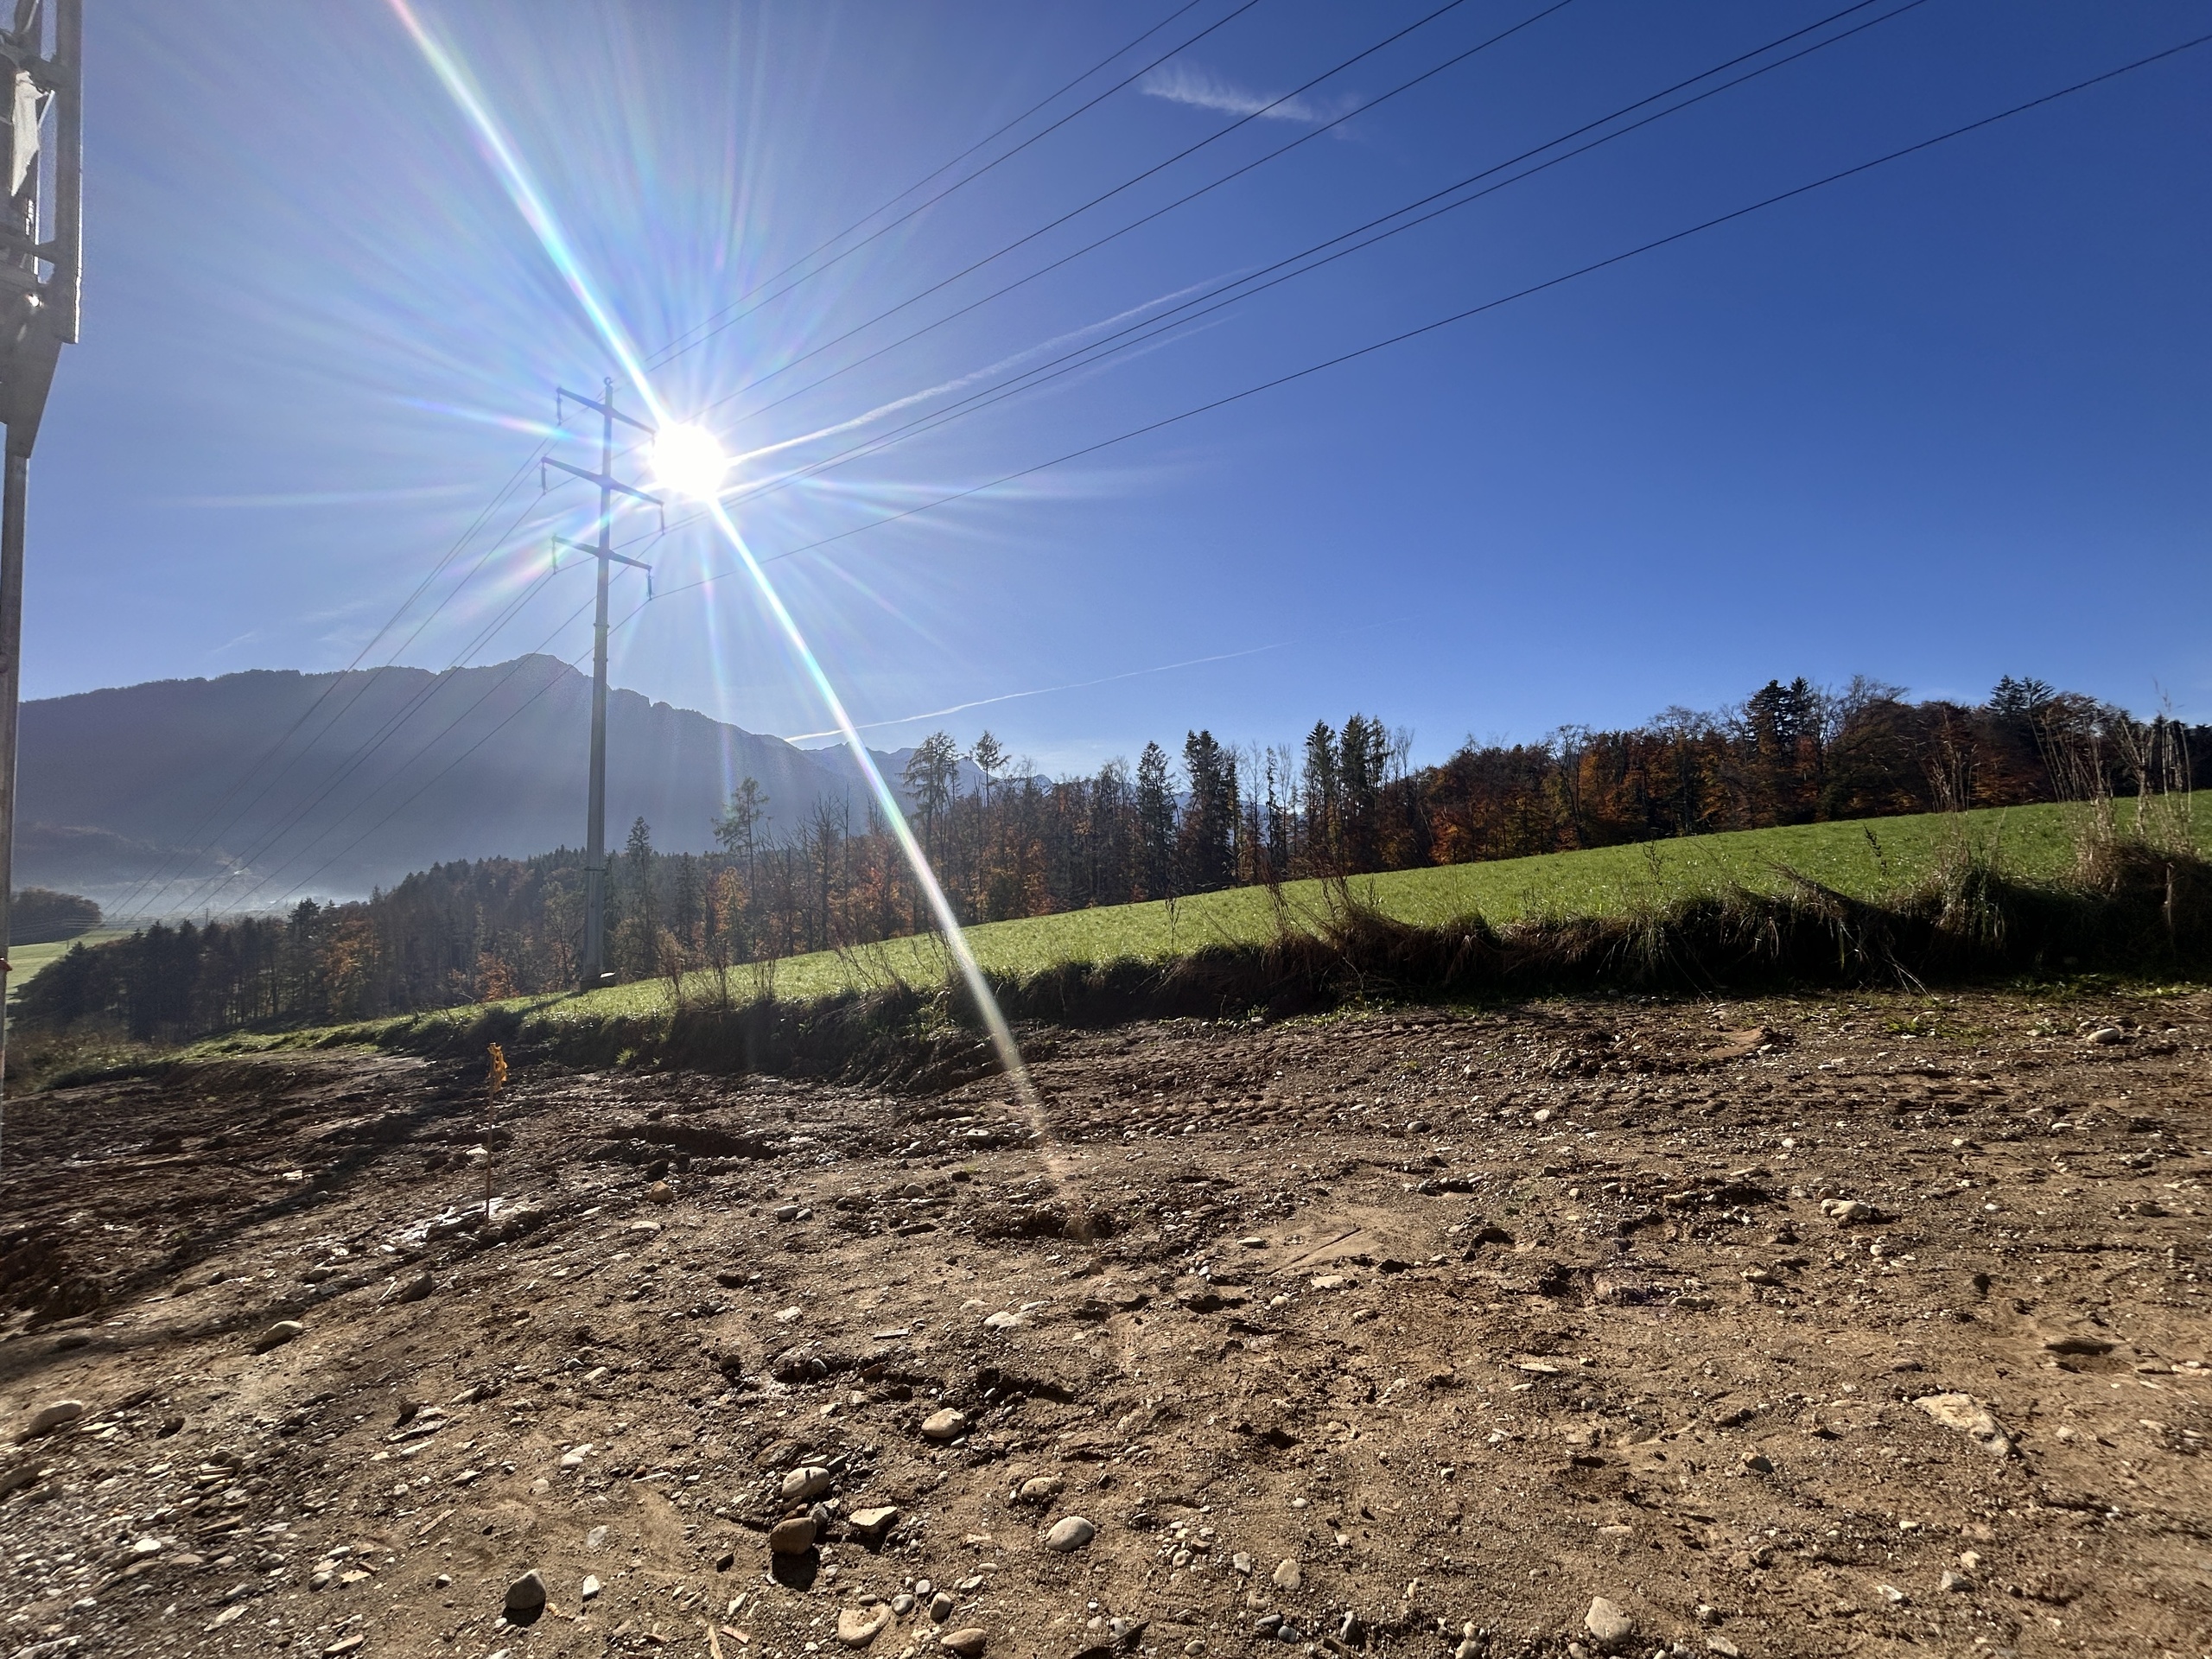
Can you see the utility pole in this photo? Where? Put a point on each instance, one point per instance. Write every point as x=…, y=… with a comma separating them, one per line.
x=594, y=971
x=41, y=228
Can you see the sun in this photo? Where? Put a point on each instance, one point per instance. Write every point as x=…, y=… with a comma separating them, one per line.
x=689, y=461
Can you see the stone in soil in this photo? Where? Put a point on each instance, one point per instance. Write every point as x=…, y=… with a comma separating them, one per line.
x=858, y=1626
x=278, y=1334
x=1969, y=1417
x=968, y=1643
x=945, y=1424
x=809, y=1481
x=1608, y=1623
x=50, y=1417
x=792, y=1537
x=526, y=1597
x=1070, y=1532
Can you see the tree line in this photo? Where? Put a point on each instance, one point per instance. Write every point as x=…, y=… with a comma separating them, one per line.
x=1007, y=843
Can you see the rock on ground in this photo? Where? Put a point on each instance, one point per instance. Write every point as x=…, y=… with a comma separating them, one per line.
x=1608, y=1623
x=526, y=1597
x=1070, y=1532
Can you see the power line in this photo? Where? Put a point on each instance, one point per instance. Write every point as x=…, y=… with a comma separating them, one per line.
x=677, y=344
x=1097, y=351
x=1127, y=184
x=1140, y=333
x=360, y=690
x=245, y=777
x=1404, y=336
x=447, y=730
x=723, y=319
x=1157, y=325
x=1472, y=311
x=442, y=771
x=132, y=899
x=366, y=750
x=360, y=687
x=1136, y=224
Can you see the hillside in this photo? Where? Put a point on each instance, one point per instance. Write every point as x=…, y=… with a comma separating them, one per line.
x=1867, y=859
x=157, y=780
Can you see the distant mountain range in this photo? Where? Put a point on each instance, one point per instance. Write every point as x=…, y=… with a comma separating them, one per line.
x=158, y=797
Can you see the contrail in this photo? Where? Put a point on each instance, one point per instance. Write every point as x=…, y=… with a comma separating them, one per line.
x=1048, y=690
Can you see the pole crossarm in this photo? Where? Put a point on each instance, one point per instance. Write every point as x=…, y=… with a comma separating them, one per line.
x=562, y=395
x=596, y=552
x=602, y=480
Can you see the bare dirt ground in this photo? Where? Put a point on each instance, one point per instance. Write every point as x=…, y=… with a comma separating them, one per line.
x=1849, y=1325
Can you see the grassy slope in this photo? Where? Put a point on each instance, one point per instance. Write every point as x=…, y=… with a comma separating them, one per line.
x=25, y=960
x=1865, y=858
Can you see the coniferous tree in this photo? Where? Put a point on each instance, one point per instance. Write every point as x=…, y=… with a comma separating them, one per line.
x=637, y=935
x=1111, y=835
x=1207, y=843
x=1155, y=825
x=1323, y=825
x=737, y=823
x=1363, y=761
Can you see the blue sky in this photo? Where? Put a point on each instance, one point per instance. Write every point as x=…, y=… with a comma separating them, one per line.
x=1939, y=422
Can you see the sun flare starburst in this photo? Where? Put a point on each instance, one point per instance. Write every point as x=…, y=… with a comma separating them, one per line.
x=688, y=460
x=523, y=190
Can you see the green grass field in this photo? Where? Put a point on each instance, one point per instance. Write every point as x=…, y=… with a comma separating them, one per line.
x=26, y=960
x=1865, y=858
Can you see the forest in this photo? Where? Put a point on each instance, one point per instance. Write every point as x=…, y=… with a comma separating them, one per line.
x=1345, y=801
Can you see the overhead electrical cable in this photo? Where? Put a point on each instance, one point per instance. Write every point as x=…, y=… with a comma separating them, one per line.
x=731, y=319
x=435, y=777
x=133, y=899
x=360, y=689
x=1130, y=183
x=451, y=553
x=676, y=344
x=1150, y=327
x=1405, y=335
x=273, y=836
x=421, y=698
x=1470, y=312
x=368, y=748
x=1372, y=104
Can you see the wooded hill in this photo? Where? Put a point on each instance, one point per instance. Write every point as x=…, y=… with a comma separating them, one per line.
x=1344, y=802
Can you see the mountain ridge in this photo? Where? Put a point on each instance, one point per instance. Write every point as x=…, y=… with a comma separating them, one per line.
x=155, y=797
